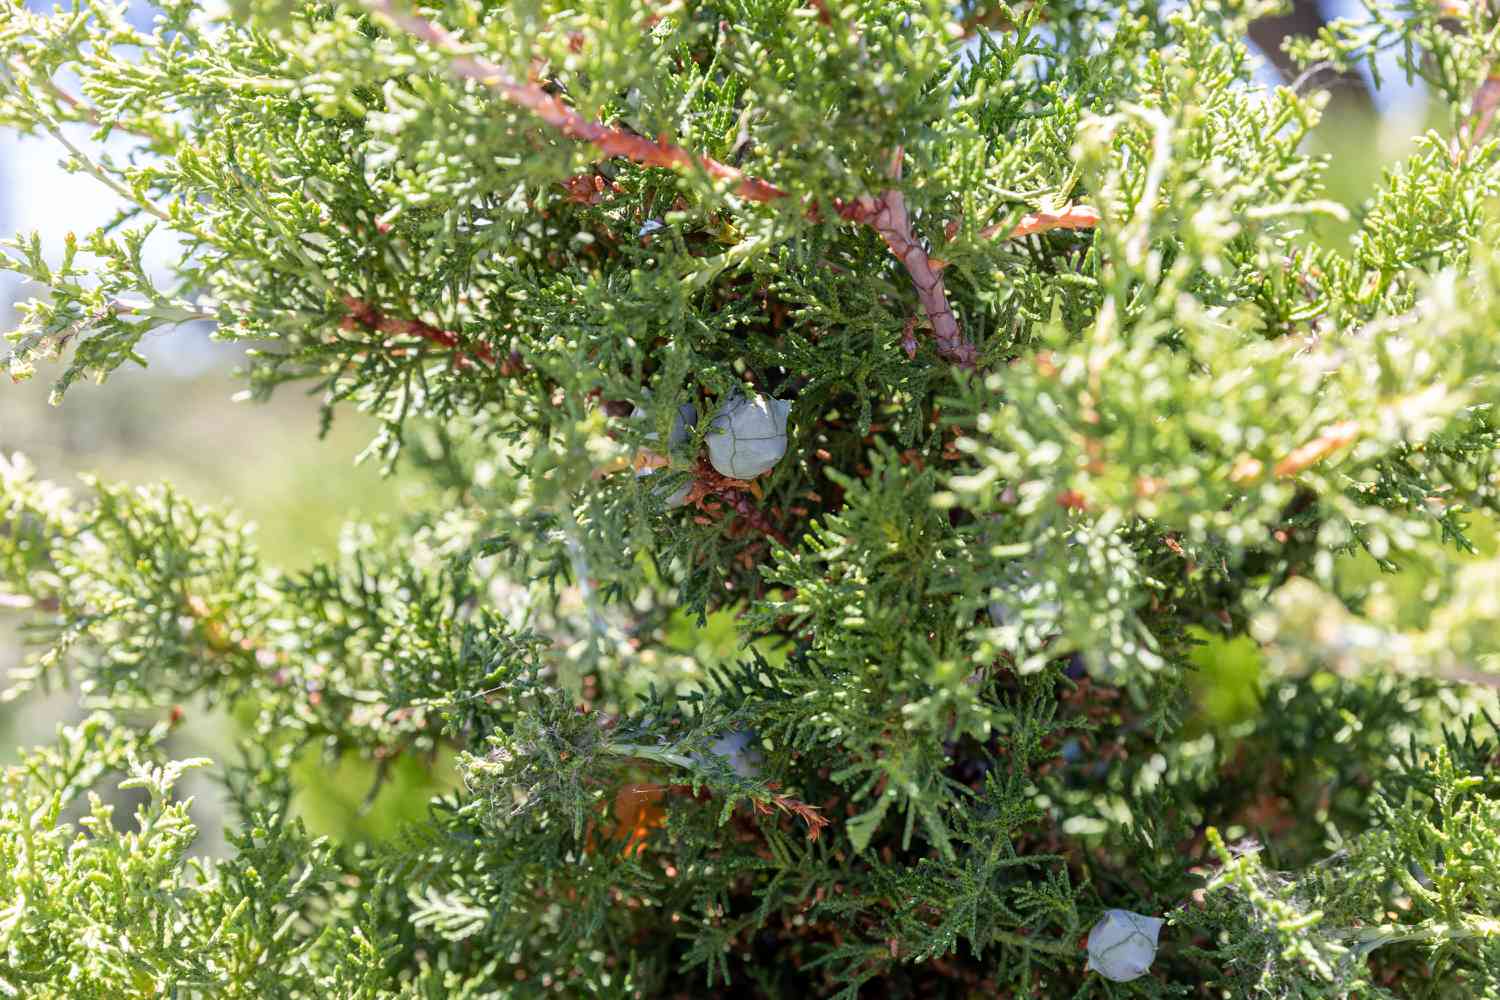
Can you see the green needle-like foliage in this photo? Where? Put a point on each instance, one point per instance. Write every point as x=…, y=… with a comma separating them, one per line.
x=1074, y=387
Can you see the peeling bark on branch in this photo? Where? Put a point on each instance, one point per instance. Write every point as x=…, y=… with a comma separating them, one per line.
x=887, y=215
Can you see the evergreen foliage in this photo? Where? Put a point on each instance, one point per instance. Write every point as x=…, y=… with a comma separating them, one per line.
x=1072, y=389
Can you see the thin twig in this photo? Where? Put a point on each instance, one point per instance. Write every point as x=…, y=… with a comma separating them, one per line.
x=1482, y=110
x=382, y=772
x=611, y=141
x=124, y=307
x=1329, y=440
x=132, y=307
x=364, y=314
x=99, y=174
x=1072, y=217
x=1048, y=945
x=87, y=114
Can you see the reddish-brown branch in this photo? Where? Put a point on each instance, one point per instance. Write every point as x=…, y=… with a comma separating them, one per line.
x=610, y=141
x=363, y=314
x=886, y=214
x=1482, y=110
x=1332, y=438
x=758, y=519
x=1072, y=217
x=87, y=114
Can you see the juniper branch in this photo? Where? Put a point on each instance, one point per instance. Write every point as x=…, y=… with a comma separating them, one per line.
x=886, y=214
x=552, y=111
x=363, y=314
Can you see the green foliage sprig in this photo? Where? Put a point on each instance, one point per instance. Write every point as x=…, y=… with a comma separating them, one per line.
x=1072, y=388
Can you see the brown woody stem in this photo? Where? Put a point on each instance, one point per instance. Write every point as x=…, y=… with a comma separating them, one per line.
x=886, y=214
x=364, y=314
x=1482, y=109
x=610, y=141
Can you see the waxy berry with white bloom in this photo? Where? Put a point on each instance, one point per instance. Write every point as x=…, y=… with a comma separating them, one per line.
x=738, y=747
x=748, y=436
x=1122, y=945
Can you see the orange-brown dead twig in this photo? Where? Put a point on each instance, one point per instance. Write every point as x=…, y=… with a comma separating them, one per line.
x=1072, y=217
x=610, y=141
x=708, y=483
x=1332, y=438
x=639, y=809
x=363, y=314
x=809, y=814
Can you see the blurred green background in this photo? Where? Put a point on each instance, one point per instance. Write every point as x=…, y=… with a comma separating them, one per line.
x=265, y=461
